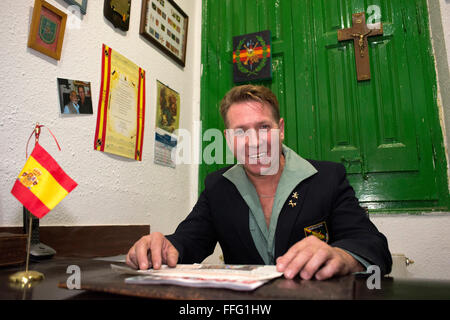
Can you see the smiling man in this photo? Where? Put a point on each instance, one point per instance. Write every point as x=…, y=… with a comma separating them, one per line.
x=273, y=207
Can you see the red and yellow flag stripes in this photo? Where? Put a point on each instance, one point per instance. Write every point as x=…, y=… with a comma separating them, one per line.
x=100, y=131
x=42, y=184
x=140, y=115
x=244, y=54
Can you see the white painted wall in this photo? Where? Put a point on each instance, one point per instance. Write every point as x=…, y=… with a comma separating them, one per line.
x=424, y=238
x=111, y=190
x=445, y=12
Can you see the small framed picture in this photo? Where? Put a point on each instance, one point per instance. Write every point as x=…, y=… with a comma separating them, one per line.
x=75, y=96
x=47, y=29
x=165, y=25
x=118, y=13
x=79, y=3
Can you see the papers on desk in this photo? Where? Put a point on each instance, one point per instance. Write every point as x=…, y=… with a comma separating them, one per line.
x=235, y=277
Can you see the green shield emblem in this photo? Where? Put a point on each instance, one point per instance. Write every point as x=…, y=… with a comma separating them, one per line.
x=47, y=30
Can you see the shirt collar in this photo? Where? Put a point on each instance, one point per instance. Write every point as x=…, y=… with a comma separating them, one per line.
x=296, y=169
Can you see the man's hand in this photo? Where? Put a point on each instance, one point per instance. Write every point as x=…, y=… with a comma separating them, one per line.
x=312, y=257
x=152, y=250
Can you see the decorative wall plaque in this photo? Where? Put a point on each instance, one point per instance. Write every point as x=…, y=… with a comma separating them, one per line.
x=252, y=57
x=118, y=13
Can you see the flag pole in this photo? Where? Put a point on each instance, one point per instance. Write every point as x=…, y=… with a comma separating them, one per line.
x=27, y=278
x=30, y=226
x=37, y=131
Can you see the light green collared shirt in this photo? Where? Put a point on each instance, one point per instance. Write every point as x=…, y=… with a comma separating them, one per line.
x=296, y=169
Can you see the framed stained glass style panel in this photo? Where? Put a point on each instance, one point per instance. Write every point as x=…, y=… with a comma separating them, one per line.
x=47, y=29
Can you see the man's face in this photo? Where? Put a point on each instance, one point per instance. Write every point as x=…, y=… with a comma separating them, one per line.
x=81, y=93
x=255, y=137
x=73, y=97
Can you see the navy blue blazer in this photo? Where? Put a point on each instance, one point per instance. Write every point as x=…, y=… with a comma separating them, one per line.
x=326, y=200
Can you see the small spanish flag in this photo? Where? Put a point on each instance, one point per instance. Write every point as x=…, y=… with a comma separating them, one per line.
x=41, y=184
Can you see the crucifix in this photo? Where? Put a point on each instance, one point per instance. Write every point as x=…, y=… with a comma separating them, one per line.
x=359, y=32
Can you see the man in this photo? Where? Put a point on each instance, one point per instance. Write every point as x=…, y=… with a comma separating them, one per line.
x=72, y=107
x=273, y=208
x=85, y=102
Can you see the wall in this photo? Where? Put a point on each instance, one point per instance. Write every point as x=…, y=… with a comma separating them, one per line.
x=111, y=190
x=423, y=238
x=445, y=13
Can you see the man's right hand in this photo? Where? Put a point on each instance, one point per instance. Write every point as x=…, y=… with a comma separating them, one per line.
x=152, y=250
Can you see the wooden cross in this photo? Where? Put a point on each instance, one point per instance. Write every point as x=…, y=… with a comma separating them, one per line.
x=359, y=32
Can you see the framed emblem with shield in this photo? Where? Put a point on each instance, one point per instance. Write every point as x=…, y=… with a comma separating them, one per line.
x=47, y=29
x=251, y=57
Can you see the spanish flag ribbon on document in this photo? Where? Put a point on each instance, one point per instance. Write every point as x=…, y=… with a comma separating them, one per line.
x=41, y=184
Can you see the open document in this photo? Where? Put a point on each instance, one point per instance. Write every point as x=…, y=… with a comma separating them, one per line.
x=235, y=277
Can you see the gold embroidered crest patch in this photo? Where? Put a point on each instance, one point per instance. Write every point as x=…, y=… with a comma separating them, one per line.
x=319, y=230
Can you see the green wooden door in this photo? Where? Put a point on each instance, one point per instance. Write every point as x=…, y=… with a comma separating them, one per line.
x=221, y=21
x=385, y=131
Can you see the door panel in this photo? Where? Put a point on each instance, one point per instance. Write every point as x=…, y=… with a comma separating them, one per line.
x=392, y=144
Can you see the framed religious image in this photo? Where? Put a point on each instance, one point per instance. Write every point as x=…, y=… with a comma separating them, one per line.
x=168, y=108
x=165, y=25
x=118, y=13
x=75, y=96
x=82, y=4
x=47, y=29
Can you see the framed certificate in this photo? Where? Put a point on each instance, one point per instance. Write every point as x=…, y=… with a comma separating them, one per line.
x=121, y=106
x=47, y=29
x=165, y=25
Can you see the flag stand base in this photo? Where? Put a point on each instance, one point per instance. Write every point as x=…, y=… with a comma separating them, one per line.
x=26, y=278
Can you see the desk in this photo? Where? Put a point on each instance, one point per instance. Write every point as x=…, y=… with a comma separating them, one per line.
x=99, y=281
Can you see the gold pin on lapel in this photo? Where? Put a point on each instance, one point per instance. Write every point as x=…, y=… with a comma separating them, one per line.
x=292, y=204
x=295, y=195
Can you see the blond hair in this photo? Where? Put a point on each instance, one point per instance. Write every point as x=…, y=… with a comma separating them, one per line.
x=249, y=92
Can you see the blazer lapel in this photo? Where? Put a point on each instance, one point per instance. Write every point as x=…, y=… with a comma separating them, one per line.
x=288, y=216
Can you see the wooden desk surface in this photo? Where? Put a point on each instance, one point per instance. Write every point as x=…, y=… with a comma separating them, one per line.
x=99, y=282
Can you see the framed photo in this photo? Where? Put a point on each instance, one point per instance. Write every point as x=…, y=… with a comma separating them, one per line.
x=47, y=29
x=165, y=25
x=79, y=3
x=75, y=96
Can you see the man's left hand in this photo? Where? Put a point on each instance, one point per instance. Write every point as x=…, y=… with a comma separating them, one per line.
x=312, y=257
